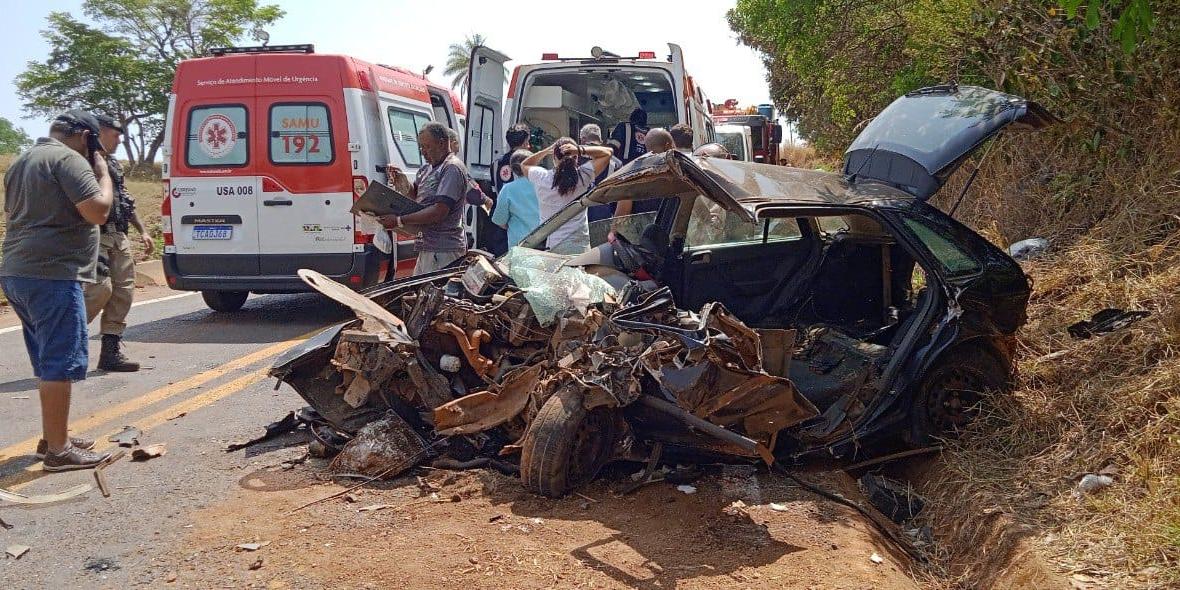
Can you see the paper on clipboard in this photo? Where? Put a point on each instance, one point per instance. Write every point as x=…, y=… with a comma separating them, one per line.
x=379, y=199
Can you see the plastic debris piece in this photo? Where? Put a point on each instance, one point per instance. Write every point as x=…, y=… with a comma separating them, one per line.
x=876, y=558
x=893, y=498
x=375, y=507
x=1105, y=321
x=17, y=551
x=1092, y=483
x=1028, y=249
x=737, y=508
x=16, y=498
x=253, y=546
x=687, y=489
x=775, y=506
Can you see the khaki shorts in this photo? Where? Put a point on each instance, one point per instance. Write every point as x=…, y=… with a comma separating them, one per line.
x=432, y=261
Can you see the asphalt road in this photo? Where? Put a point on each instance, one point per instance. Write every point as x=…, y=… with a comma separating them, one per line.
x=208, y=368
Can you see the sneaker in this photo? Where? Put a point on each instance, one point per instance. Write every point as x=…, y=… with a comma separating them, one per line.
x=73, y=458
x=82, y=443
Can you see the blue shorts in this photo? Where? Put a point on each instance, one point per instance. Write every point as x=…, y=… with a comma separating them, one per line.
x=53, y=314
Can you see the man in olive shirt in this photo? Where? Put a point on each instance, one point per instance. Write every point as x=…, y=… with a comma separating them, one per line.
x=112, y=295
x=57, y=193
x=442, y=190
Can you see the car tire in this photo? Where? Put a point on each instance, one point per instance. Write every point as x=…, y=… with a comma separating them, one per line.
x=227, y=301
x=566, y=445
x=954, y=392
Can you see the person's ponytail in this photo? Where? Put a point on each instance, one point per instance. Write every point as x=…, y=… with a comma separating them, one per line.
x=565, y=169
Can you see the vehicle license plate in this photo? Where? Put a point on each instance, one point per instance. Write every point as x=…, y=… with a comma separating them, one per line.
x=213, y=232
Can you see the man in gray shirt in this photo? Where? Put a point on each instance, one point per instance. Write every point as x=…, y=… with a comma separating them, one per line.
x=442, y=190
x=57, y=194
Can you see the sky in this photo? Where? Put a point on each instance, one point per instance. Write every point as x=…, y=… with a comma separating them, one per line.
x=416, y=34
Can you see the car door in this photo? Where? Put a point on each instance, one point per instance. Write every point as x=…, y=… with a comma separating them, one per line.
x=739, y=262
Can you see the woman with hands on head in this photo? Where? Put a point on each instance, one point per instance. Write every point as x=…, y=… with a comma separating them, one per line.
x=567, y=181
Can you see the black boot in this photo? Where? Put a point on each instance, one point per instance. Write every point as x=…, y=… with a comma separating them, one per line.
x=112, y=359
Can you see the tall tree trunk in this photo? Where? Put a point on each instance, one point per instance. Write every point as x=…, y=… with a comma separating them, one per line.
x=157, y=141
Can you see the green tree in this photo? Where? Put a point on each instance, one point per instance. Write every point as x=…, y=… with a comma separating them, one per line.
x=13, y=139
x=459, y=60
x=834, y=64
x=123, y=64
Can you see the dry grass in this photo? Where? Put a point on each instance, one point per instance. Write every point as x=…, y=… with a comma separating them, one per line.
x=1081, y=405
x=801, y=155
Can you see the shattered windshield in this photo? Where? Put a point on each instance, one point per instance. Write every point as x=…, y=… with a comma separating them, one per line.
x=629, y=226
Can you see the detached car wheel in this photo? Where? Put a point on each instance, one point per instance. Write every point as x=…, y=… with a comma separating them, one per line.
x=225, y=300
x=954, y=393
x=566, y=445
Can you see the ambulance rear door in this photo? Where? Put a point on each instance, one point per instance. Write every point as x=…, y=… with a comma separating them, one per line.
x=213, y=187
x=305, y=199
x=485, y=108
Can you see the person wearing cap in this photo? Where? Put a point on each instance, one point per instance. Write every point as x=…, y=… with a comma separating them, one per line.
x=57, y=194
x=112, y=295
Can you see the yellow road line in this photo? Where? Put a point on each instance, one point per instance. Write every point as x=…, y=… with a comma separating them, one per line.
x=33, y=472
x=103, y=416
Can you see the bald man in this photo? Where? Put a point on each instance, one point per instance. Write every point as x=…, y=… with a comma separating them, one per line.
x=657, y=141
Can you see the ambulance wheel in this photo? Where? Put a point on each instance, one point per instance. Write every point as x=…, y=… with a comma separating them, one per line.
x=225, y=300
x=566, y=444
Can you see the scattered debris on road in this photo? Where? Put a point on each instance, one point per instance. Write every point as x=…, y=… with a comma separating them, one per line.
x=100, y=472
x=1108, y=320
x=128, y=437
x=16, y=551
x=253, y=546
x=149, y=452
x=15, y=498
x=287, y=424
x=5, y=525
x=100, y=565
x=256, y=565
x=375, y=507
x=875, y=558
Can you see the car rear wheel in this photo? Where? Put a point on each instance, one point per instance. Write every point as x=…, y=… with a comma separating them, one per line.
x=566, y=444
x=954, y=393
x=225, y=300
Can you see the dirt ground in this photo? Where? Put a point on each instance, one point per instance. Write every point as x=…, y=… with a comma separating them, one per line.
x=481, y=529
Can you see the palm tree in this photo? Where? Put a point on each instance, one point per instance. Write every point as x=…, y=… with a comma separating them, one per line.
x=459, y=60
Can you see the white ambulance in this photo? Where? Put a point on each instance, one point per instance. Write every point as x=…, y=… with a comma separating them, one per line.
x=266, y=148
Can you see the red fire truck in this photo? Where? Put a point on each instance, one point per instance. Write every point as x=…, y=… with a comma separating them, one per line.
x=765, y=133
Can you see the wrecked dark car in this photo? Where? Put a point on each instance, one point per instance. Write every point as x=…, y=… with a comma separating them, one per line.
x=763, y=313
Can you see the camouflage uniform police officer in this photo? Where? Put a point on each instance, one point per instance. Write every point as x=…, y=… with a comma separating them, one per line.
x=112, y=294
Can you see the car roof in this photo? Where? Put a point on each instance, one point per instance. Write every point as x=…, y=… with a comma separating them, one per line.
x=753, y=184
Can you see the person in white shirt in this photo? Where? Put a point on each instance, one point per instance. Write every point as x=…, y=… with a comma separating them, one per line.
x=566, y=182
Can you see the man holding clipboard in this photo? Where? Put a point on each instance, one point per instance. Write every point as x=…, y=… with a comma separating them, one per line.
x=440, y=192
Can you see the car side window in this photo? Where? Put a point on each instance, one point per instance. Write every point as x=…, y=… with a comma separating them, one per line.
x=404, y=126
x=711, y=225
x=954, y=260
